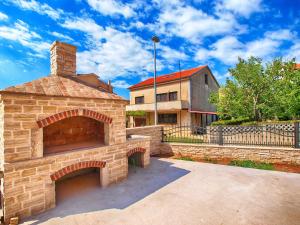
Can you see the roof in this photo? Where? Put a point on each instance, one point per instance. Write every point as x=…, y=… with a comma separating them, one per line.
x=60, y=86
x=298, y=66
x=169, y=77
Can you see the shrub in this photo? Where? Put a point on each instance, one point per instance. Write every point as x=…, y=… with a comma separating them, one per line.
x=237, y=121
x=136, y=113
x=248, y=122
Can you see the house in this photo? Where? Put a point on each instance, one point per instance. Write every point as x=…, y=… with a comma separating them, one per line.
x=59, y=127
x=182, y=99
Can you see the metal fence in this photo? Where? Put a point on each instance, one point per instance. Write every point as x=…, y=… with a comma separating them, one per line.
x=262, y=135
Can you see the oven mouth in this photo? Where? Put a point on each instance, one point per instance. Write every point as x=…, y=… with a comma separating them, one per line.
x=73, y=133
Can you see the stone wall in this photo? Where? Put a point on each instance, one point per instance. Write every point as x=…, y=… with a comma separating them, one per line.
x=257, y=153
x=29, y=189
x=155, y=132
x=22, y=136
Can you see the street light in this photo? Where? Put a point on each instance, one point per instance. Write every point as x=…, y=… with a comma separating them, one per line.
x=155, y=40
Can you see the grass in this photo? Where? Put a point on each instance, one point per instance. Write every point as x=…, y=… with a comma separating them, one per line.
x=185, y=158
x=183, y=139
x=252, y=164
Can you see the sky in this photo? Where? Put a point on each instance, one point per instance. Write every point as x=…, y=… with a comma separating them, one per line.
x=113, y=37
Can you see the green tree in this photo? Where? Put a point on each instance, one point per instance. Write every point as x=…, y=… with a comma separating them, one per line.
x=260, y=92
x=285, y=89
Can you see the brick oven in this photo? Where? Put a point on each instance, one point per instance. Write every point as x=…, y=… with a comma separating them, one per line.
x=57, y=126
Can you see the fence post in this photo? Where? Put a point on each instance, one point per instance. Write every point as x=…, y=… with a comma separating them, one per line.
x=220, y=132
x=297, y=135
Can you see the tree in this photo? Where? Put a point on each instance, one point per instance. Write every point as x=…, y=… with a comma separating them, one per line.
x=285, y=88
x=260, y=92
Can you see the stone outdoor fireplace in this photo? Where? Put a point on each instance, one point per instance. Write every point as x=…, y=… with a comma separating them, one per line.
x=77, y=129
x=72, y=133
x=61, y=127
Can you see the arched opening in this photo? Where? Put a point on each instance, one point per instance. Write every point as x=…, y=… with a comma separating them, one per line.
x=73, y=133
x=77, y=183
x=135, y=160
x=78, y=178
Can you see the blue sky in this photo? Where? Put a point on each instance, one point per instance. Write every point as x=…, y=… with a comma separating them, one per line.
x=114, y=37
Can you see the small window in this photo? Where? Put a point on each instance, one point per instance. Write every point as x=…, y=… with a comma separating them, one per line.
x=162, y=97
x=173, y=96
x=139, y=100
x=206, y=79
x=167, y=118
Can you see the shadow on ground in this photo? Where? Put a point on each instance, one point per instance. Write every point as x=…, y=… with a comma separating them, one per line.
x=140, y=183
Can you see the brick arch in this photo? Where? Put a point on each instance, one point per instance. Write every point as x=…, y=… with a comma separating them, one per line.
x=74, y=112
x=77, y=166
x=134, y=150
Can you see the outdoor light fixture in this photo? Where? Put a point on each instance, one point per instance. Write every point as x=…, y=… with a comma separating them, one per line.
x=155, y=40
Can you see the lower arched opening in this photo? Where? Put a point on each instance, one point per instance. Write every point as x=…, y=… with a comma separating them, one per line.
x=77, y=183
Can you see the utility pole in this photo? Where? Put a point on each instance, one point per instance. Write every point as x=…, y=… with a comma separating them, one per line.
x=180, y=90
x=155, y=40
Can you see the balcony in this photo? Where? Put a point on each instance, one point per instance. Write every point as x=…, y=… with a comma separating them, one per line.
x=167, y=105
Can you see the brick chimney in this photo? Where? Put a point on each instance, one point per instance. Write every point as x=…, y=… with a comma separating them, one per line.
x=63, y=59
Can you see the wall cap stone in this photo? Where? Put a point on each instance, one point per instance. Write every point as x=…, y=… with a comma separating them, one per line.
x=234, y=146
x=144, y=127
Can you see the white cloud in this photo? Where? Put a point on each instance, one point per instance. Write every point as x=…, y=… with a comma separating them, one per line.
x=19, y=32
x=194, y=24
x=294, y=51
x=240, y=7
x=85, y=25
x=171, y=55
x=40, y=8
x=283, y=34
x=226, y=49
x=120, y=84
x=3, y=16
x=111, y=53
x=220, y=76
x=61, y=36
x=112, y=7
x=229, y=48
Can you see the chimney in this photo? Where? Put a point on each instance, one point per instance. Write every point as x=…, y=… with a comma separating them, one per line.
x=63, y=59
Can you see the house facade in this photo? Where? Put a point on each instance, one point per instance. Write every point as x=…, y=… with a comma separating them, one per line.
x=182, y=99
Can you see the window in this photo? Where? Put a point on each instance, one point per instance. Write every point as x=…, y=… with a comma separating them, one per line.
x=139, y=100
x=162, y=97
x=167, y=118
x=173, y=96
x=206, y=79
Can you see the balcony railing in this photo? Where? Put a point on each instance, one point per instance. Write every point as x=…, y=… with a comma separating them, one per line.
x=168, y=105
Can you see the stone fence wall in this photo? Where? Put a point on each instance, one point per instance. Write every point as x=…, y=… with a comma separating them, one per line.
x=155, y=132
x=202, y=151
x=257, y=153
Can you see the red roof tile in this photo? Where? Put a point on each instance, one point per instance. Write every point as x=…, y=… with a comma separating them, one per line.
x=298, y=66
x=168, y=77
x=60, y=86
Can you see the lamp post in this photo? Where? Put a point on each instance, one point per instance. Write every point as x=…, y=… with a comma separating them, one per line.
x=155, y=40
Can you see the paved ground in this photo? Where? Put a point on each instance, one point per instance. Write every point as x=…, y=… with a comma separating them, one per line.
x=173, y=192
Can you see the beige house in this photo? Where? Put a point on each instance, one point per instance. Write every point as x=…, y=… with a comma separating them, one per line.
x=182, y=99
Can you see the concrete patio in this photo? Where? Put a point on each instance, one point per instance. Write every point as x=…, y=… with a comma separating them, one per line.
x=180, y=192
